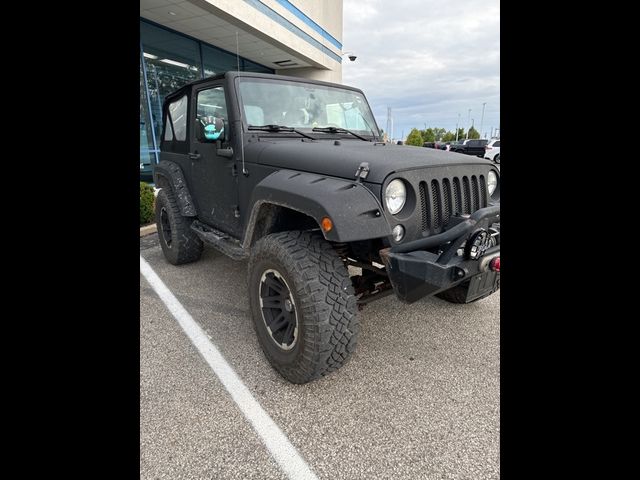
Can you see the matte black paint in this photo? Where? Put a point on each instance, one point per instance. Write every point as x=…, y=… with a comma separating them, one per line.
x=316, y=178
x=212, y=180
x=417, y=274
x=343, y=160
x=168, y=171
x=354, y=210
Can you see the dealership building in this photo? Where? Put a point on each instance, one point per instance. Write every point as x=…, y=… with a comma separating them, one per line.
x=186, y=40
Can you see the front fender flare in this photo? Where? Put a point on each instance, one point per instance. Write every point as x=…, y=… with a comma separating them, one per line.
x=354, y=210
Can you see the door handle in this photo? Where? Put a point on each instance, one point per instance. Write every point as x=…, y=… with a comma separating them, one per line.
x=194, y=156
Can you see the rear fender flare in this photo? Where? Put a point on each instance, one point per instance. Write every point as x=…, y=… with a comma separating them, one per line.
x=170, y=173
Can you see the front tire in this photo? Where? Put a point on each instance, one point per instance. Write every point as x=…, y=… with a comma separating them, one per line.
x=303, y=305
x=496, y=159
x=179, y=243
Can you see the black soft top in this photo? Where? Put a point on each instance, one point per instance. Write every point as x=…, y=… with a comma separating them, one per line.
x=232, y=74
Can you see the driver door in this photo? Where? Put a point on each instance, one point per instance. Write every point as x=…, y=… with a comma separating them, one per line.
x=214, y=178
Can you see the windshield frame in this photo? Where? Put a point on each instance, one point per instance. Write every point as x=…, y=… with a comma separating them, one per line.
x=307, y=129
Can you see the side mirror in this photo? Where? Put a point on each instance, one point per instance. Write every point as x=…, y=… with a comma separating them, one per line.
x=214, y=129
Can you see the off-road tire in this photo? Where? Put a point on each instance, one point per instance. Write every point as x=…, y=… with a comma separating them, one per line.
x=185, y=246
x=324, y=300
x=458, y=294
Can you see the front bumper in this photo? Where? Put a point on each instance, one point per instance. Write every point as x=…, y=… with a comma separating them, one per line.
x=431, y=265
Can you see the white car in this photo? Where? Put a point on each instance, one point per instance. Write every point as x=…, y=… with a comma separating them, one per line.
x=492, y=150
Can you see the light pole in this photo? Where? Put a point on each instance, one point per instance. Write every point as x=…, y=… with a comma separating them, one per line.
x=468, y=118
x=457, y=123
x=482, y=118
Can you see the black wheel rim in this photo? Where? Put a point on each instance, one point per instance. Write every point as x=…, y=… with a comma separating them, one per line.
x=278, y=309
x=165, y=226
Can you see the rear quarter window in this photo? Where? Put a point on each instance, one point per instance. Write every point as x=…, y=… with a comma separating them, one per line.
x=178, y=116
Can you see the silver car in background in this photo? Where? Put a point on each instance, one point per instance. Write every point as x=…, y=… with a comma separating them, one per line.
x=492, y=150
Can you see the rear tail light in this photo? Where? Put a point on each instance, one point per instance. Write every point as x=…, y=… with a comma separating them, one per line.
x=495, y=264
x=488, y=147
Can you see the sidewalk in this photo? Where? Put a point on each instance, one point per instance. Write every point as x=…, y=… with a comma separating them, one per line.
x=148, y=229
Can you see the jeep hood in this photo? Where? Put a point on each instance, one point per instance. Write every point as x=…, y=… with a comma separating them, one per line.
x=342, y=160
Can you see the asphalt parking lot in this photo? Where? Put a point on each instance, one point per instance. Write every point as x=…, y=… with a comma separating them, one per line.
x=418, y=400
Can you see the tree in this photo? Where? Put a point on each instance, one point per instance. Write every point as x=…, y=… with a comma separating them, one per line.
x=414, y=138
x=473, y=133
x=460, y=134
x=449, y=137
x=428, y=135
x=439, y=133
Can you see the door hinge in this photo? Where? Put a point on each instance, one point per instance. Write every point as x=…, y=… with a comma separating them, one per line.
x=234, y=170
x=236, y=212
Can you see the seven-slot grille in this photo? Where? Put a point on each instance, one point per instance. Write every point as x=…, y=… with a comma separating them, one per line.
x=440, y=200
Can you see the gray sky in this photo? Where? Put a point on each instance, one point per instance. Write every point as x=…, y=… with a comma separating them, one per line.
x=428, y=60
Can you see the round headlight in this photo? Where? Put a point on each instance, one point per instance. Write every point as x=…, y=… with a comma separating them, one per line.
x=395, y=196
x=492, y=182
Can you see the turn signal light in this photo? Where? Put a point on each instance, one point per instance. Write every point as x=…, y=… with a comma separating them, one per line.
x=326, y=224
x=495, y=264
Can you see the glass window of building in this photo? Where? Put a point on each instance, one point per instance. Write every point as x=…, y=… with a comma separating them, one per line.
x=170, y=60
x=147, y=147
x=217, y=61
x=249, y=66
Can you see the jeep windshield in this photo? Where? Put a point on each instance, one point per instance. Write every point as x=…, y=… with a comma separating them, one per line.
x=305, y=106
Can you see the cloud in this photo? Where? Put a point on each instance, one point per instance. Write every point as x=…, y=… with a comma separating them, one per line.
x=427, y=60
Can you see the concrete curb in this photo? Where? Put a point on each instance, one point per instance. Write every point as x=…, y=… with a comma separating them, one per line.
x=148, y=230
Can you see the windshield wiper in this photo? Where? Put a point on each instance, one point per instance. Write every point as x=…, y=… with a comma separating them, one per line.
x=278, y=128
x=375, y=137
x=339, y=130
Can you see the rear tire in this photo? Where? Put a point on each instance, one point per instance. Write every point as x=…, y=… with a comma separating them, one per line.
x=298, y=285
x=179, y=243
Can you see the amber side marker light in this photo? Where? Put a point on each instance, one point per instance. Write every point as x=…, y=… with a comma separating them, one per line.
x=495, y=264
x=326, y=224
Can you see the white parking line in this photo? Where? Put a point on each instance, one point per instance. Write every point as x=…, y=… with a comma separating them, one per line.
x=282, y=451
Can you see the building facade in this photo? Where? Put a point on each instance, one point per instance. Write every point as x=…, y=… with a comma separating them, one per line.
x=186, y=40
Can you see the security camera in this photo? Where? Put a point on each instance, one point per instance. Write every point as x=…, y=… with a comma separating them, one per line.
x=352, y=58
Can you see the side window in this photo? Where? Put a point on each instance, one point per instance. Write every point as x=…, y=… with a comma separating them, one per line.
x=497, y=144
x=211, y=114
x=168, y=132
x=178, y=113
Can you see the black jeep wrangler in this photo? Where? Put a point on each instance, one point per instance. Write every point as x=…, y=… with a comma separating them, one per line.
x=291, y=174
